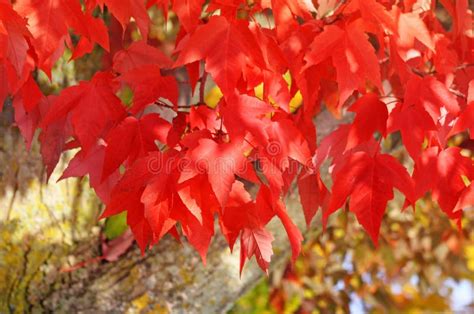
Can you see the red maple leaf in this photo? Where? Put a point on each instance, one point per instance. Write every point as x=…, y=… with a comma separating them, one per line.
x=443, y=173
x=258, y=242
x=372, y=115
x=369, y=181
x=97, y=99
x=49, y=21
x=123, y=10
x=149, y=85
x=188, y=12
x=227, y=47
x=138, y=54
x=352, y=55
x=313, y=194
x=133, y=138
x=466, y=117
x=220, y=161
x=14, y=37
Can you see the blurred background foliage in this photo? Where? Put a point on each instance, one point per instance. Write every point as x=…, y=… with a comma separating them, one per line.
x=423, y=264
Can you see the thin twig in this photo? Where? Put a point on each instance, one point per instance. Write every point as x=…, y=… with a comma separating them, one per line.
x=163, y=104
x=202, y=87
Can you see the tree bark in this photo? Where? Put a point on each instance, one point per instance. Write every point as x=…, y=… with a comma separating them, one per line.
x=46, y=227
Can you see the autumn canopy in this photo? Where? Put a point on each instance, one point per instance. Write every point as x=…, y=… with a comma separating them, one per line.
x=175, y=165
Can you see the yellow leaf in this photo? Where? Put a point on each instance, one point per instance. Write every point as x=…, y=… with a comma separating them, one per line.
x=213, y=97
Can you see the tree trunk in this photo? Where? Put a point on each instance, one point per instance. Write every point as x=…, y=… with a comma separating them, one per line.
x=47, y=227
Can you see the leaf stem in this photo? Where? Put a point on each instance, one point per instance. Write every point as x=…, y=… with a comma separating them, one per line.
x=202, y=87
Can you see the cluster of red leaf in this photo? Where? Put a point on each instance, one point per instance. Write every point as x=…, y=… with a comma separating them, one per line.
x=392, y=63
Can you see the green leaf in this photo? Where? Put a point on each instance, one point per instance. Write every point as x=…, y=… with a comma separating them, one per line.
x=115, y=226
